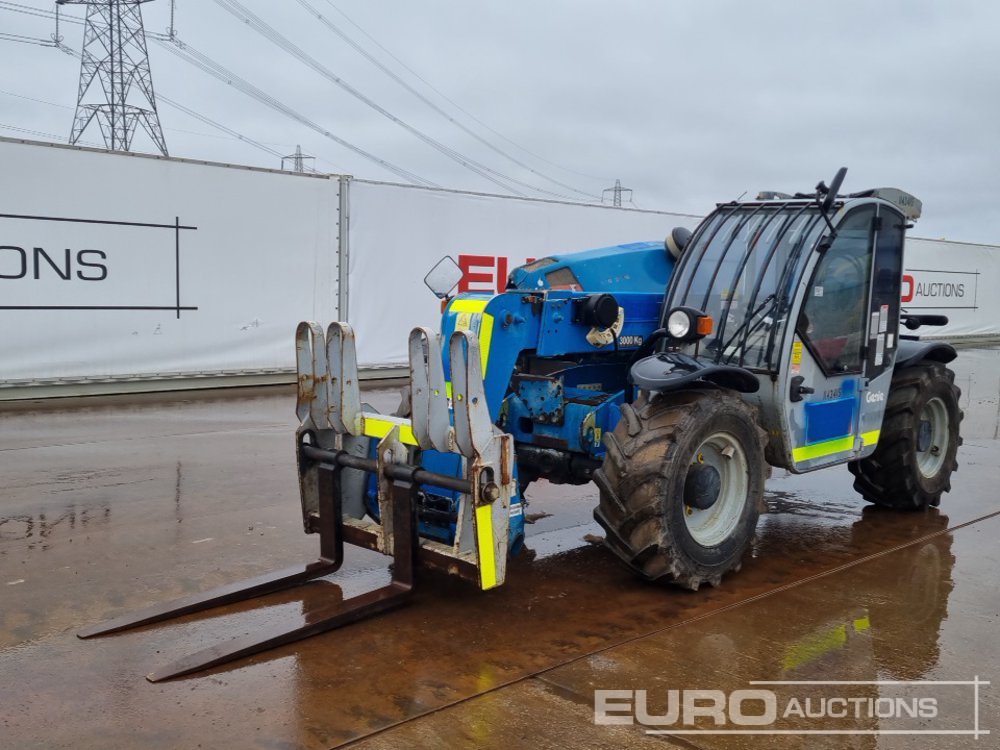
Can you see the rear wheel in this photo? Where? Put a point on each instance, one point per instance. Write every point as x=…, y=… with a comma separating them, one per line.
x=915, y=457
x=682, y=485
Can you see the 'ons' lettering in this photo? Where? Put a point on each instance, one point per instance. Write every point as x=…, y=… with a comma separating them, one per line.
x=85, y=265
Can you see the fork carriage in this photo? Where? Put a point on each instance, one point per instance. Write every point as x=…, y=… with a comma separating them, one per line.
x=333, y=446
x=333, y=420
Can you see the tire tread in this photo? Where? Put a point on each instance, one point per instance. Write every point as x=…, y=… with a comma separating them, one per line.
x=633, y=481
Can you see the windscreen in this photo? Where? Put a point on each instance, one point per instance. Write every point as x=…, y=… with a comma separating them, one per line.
x=741, y=269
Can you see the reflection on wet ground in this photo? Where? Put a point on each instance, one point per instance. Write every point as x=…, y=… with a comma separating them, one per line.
x=108, y=508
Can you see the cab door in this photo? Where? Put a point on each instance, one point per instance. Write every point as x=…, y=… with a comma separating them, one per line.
x=883, y=324
x=844, y=342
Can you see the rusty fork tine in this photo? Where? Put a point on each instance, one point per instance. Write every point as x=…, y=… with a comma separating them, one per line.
x=431, y=417
x=345, y=395
x=420, y=387
x=329, y=409
x=473, y=427
x=308, y=348
x=329, y=616
x=331, y=558
x=228, y=594
x=459, y=383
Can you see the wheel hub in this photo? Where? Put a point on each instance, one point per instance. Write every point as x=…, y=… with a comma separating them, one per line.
x=932, y=437
x=924, y=435
x=702, y=486
x=715, y=489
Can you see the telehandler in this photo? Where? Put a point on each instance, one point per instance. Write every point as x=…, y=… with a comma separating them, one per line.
x=673, y=375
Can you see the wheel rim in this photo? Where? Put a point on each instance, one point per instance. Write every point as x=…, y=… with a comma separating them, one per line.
x=930, y=460
x=714, y=525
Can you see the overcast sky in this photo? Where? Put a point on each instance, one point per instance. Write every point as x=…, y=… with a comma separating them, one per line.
x=687, y=103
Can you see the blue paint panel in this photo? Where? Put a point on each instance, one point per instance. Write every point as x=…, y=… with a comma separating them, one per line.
x=829, y=420
x=634, y=267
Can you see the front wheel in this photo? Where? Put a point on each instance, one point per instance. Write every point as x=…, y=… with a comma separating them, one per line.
x=682, y=485
x=915, y=457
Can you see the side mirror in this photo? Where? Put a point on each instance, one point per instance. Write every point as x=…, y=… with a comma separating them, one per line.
x=443, y=277
x=913, y=322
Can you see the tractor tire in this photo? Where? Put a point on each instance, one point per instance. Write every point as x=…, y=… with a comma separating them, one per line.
x=656, y=494
x=915, y=456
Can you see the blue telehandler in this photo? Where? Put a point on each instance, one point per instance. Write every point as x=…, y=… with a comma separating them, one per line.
x=673, y=375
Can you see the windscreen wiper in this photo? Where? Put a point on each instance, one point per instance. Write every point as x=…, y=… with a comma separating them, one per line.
x=769, y=303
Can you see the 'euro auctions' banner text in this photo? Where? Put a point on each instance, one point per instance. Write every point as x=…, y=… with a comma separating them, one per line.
x=955, y=279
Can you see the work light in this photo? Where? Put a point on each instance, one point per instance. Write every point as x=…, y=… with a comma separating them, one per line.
x=688, y=324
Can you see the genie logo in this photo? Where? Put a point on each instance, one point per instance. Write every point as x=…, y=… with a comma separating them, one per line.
x=874, y=397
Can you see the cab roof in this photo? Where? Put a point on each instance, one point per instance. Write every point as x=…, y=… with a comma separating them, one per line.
x=908, y=204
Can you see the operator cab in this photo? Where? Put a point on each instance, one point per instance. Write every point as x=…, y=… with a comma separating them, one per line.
x=793, y=301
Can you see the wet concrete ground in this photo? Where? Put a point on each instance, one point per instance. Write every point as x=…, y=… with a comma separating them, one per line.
x=109, y=506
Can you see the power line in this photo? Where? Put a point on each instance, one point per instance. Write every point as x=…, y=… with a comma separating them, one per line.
x=32, y=99
x=198, y=116
x=161, y=98
x=209, y=66
x=51, y=136
x=27, y=10
x=21, y=38
x=176, y=105
x=38, y=12
x=269, y=33
x=455, y=104
x=385, y=69
x=201, y=61
x=14, y=7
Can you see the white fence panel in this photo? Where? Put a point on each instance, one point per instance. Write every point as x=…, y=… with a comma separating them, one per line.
x=124, y=267
x=115, y=266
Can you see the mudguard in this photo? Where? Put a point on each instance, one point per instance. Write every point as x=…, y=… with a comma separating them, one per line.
x=671, y=371
x=910, y=352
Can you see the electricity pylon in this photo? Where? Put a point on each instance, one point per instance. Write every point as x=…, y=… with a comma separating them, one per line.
x=616, y=193
x=114, y=53
x=298, y=160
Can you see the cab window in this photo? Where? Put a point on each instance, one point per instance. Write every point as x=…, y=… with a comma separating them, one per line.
x=834, y=316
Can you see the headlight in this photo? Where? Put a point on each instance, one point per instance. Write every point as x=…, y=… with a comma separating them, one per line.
x=679, y=324
x=688, y=324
